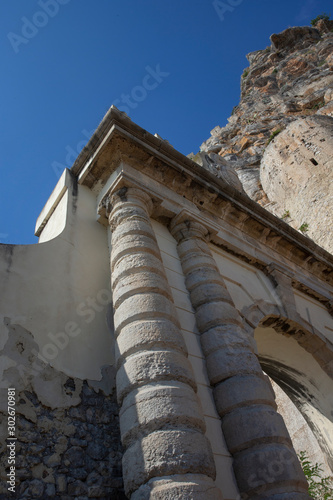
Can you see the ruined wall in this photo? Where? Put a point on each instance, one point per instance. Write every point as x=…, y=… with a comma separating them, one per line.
x=68, y=440
x=57, y=352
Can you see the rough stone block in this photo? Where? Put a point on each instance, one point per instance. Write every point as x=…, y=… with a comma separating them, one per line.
x=231, y=361
x=191, y=263
x=153, y=366
x=243, y=390
x=132, y=227
x=128, y=213
x=193, y=245
x=269, y=469
x=132, y=263
x=143, y=306
x=209, y=292
x=187, y=486
x=224, y=336
x=148, y=334
x=165, y=453
x=139, y=283
x=206, y=275
x=214, y=314
x=154, y=407
x=249, y=426
x=132, y=244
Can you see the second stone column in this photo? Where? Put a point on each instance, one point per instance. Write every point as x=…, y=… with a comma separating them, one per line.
x=265, y=464
x=162, y=428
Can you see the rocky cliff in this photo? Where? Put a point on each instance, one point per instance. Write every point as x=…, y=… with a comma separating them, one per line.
x=279, y=139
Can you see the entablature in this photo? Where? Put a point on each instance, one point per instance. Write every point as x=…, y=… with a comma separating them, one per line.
x=121, y=154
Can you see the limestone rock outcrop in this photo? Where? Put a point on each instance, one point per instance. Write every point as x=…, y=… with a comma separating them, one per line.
x=296, y=172
x=290, y=81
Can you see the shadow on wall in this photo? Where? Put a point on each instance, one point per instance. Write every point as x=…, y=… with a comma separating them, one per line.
x=302, y=378
x=301, y=435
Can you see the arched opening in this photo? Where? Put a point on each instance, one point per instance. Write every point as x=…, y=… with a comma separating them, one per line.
x=302, y=378
x=301, y=435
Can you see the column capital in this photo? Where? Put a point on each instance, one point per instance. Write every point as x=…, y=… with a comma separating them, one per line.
x=129, y=194
x=184, y=226
x=127, y=198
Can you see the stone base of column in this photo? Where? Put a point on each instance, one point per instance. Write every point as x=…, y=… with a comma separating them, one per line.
x=189, y=486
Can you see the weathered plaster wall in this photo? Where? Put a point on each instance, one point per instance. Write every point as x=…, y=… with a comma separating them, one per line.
x=68, y=440
x=56, y=224
x=62, y=297
x=57, y=351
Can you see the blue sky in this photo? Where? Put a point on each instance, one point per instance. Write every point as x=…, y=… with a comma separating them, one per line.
x=64, y=62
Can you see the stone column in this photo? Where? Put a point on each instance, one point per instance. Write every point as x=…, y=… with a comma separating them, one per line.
x=265, y=462
x=162, y=428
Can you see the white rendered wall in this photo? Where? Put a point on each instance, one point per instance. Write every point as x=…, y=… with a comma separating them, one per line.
x=58, y=290
x=315, y=314
x=57, y=222
x=245, y=284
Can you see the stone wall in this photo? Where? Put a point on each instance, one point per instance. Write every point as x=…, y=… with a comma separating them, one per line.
x=57, y=352
x=67, y=429
x=71, y=452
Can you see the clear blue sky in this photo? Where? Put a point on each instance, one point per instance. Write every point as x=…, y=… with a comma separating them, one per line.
x=64, y=62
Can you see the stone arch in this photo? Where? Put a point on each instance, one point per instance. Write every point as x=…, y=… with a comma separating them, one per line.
x=299, y=359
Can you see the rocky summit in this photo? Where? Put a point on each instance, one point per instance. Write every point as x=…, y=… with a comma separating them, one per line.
x=288, y=81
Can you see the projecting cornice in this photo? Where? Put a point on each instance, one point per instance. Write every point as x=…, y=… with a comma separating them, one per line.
x=119, y=140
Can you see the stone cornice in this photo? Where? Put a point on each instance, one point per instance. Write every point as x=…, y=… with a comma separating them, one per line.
x=118, y=139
